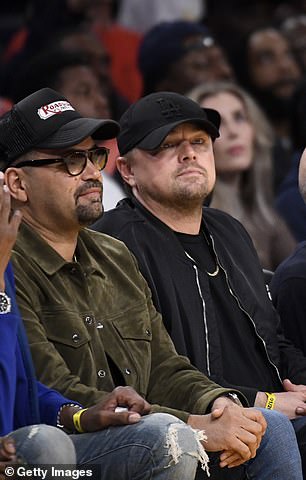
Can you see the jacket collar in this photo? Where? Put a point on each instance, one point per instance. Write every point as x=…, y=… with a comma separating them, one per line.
x=48, y=259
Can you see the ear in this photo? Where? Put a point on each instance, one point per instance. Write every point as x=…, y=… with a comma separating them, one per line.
x=126, y=171
x=16, y=184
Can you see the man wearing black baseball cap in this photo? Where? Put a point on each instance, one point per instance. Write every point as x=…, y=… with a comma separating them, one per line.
x=147, y=122
x=46, y=120
x=88, y=311
x=179, y=55
x=199, y=262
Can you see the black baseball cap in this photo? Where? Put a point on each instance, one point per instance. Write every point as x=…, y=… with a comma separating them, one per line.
x=148, y=121
x=45, y=119
x=166, y=43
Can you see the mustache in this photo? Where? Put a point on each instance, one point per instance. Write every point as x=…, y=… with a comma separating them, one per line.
x=284, y=82
x=190, y=166
x=90, y=184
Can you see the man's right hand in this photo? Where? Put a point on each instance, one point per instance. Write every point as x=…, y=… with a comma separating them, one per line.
x=104, y=414
x=233, y=430
x=7, y=455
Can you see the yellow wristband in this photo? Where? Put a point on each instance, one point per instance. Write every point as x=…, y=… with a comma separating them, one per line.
x=270, y=401
x=76, y=418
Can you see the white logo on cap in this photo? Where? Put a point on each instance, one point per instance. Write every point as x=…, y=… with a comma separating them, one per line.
x=54, y=108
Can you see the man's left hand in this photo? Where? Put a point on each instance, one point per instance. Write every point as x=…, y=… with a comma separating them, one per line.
x=292, y=387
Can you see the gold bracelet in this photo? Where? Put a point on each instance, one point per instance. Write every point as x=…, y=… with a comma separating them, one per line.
x=270, y=400
x=76, y=418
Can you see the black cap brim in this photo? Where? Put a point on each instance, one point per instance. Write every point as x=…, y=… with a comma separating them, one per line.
x=155, y=138
x=77, y=130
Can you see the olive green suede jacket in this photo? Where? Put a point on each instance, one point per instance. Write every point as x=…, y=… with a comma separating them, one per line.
x=87, y=319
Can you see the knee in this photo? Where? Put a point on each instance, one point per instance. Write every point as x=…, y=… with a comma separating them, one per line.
x=43, y=444
x=176, y=441
x=278, y=426
x=162, y=426
x=276, y=420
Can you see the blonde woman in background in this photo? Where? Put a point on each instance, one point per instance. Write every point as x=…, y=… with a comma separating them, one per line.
x=244, y=173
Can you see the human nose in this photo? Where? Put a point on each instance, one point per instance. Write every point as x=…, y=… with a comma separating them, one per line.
x=229, y=129
x=186, y=151
x=286, y=63
x=102, y=106
x=223, y=71
x=91, y=170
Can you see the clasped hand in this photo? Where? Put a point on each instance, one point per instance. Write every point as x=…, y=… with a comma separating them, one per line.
x=234, y=431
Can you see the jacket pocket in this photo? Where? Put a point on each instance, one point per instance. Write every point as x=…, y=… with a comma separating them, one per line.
x=133, y=348
x=66, y=328
x=137, y=328
x=67, y=332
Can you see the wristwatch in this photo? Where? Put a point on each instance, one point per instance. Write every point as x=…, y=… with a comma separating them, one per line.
x=234, y=398
x=5, y=303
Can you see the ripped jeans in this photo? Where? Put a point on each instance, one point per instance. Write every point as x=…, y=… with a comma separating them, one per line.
x=154, y=448
x=159, y=447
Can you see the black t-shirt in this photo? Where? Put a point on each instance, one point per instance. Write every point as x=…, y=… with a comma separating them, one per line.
x=245, y=364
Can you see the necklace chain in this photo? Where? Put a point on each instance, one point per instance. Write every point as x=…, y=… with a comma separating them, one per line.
x=216, y=271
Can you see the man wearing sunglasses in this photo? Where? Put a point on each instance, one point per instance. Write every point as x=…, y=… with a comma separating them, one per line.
x=90, y=319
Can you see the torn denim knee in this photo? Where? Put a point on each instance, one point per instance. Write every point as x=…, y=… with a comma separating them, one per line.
x=178, y=445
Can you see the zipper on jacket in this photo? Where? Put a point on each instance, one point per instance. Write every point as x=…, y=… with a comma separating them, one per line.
x=203, y=310
x=243, y=310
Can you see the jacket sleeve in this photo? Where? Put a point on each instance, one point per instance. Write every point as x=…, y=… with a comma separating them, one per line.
x=8, y=361
x=15, y=365
x=290, y=301
x=50, y=402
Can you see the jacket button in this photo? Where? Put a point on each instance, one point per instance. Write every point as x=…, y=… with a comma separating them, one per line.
x=128, y=371
x=88, y=320
x=101, y=373
x=76, y=338
x=100, y=325
x=73, y=270
x=148, y=332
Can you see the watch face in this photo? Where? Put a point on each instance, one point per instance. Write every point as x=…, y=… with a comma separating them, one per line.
x=5, y=303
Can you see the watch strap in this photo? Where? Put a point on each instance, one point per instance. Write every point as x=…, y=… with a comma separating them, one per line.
x=5, y=303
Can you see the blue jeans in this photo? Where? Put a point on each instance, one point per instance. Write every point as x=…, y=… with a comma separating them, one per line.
x=299, y=425
x=277, y=457
x=159, y=447
x=43, y=444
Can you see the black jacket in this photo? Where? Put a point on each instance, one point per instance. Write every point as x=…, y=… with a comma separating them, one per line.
x=171, y=278
x=288, y=287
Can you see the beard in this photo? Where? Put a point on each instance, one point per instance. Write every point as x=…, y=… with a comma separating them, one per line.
x=277, y=108
x=182, y=195
x=87, y=214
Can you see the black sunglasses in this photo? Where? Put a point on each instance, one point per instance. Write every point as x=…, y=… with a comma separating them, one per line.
x=75, y=161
